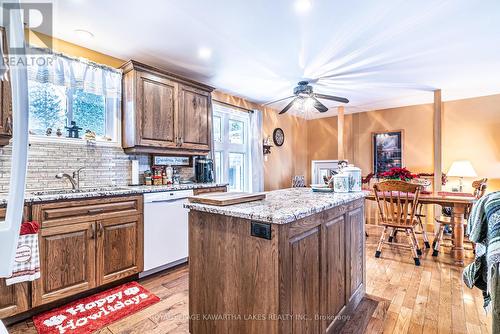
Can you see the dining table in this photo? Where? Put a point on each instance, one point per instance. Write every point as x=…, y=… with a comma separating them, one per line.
x=460, y=204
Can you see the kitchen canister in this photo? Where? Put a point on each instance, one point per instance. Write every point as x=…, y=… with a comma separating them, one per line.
x=354, y=174
x=341, y=183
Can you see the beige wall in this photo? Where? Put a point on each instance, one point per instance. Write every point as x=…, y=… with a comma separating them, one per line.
x=470, y=131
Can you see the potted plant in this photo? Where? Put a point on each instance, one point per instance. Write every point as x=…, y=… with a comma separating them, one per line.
x=398, y=173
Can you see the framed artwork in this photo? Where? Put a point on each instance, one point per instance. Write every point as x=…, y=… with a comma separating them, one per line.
x=387, y=150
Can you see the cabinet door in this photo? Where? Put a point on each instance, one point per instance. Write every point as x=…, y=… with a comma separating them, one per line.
x=157, y=111
x=5, y=103
x=119, y=248
x=357, y=249
x=13, y=298
x=335, y=268
x=67, y=262
x=195, y=118
x=305, y=251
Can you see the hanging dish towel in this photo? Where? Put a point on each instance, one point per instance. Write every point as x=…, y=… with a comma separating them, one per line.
x=27, y=260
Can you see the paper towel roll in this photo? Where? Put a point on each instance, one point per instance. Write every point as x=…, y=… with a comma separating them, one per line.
x=135, y=172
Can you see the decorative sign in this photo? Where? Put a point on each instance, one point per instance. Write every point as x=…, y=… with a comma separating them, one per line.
x=172, y=161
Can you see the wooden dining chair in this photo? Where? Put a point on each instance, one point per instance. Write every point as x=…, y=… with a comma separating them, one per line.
x=397, y=203
x=443, y=221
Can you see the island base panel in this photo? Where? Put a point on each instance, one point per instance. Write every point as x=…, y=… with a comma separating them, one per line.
x=307, y=278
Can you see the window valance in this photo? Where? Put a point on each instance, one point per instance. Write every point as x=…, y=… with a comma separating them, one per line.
x=62, y=70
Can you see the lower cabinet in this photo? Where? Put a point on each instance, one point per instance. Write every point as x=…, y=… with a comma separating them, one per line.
x=119, y=248
x=86, y=244
x=67, y=262
x=13, y=298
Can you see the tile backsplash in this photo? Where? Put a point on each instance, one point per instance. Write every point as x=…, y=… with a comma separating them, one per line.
x=104, y=165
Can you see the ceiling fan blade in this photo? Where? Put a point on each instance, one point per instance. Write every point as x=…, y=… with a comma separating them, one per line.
x=319, y=106
x=288, y=106
x=333, y=98
x=275, y=101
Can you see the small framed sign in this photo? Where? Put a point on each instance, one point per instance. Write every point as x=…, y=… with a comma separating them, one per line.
x=172, y=161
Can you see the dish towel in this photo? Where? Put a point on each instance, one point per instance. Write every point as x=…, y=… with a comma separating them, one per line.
x=484, y=230
x=27, y=260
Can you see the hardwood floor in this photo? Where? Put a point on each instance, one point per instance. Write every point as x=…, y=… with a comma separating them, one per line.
x=426, y=299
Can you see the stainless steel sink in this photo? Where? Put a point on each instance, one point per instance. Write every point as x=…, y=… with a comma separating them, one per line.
x=74, y=191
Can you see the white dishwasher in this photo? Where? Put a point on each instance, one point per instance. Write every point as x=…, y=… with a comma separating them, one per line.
x=165, y=230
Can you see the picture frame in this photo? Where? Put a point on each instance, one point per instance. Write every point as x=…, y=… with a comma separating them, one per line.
x=387, y=150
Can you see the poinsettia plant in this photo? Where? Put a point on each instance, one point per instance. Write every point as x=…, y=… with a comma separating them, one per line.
x=398, y=173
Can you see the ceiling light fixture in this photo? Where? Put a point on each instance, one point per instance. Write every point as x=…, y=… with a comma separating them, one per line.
x=302, y=6
x=84, y=35
x=204, y=53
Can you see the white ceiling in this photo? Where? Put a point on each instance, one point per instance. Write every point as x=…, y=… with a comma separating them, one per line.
x=378, y=54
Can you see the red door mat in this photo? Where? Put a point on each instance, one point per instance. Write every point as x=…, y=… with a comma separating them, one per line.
x=92, y=313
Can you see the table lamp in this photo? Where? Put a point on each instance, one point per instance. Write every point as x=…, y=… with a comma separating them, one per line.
x=461, y=169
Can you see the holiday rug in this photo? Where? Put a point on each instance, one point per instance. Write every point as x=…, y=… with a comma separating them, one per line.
x=89, y=314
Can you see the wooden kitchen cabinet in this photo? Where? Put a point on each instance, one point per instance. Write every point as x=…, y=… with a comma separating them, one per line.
x=87, y=243
x=195, y=118
x=119, y=248
x=67, y=262
x=156, y=111
x=5, y=101
x=164, y=113
x=14, y=298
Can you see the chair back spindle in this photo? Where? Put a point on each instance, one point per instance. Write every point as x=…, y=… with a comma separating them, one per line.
x=397, y=201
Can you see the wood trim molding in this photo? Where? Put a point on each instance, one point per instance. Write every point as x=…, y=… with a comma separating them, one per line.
x=438, y=126
x=340, y=133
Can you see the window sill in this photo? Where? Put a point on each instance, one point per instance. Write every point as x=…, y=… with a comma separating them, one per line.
x=72, y=141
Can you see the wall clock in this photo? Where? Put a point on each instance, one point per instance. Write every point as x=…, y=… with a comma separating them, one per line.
x=278, y=136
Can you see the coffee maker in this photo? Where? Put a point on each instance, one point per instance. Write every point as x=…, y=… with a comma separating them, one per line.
x=204, y=170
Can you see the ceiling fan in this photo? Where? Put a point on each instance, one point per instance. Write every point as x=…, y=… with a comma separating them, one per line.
x=303, y=92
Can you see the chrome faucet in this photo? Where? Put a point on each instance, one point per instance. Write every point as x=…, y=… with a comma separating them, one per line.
x=74, y=179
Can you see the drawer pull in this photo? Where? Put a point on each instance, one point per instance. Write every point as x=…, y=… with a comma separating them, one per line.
x=94, y=211
x=101, y=229
x=92, y=235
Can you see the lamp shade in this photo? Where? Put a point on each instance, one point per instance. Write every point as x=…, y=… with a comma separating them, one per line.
x=462, y=168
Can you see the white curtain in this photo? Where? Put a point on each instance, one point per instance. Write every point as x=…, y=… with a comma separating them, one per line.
x=63, y=70
x=257, y=154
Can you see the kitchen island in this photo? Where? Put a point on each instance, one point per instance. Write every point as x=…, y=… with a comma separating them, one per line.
x=292, y=263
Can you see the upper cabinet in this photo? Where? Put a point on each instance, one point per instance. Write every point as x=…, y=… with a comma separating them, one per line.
x=164, y=113
x=5, y=101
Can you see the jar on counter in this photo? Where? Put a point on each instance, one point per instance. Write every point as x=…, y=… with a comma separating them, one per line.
x=148, y=179
x=157, y=180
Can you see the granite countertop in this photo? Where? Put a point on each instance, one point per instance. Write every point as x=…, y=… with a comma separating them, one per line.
x=66, y=194
x=282, y=206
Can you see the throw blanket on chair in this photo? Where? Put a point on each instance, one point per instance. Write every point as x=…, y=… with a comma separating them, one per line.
x=484, y=230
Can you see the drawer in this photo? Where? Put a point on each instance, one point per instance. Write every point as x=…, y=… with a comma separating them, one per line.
x=65, y=212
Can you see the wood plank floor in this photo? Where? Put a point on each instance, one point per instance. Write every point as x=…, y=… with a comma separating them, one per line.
x=426, y=299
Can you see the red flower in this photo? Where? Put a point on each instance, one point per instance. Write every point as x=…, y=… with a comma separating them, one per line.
x=398, y=173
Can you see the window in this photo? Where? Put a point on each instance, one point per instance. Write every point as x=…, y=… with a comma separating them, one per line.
x=232, y=148
x=63, y=90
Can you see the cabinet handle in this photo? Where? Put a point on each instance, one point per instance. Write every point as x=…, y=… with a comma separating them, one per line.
x=94, y=211
x=181, y=141
x=92, y=234
x=101, y=229
x=8, y=125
